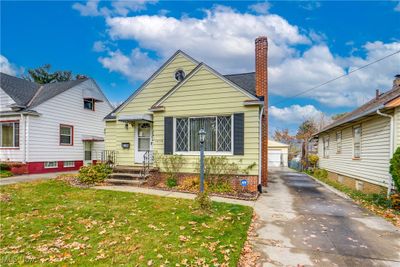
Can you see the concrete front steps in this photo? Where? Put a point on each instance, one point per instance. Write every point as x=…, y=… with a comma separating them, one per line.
x=127, y=175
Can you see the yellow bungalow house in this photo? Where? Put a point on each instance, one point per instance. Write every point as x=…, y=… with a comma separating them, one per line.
x=166, y=113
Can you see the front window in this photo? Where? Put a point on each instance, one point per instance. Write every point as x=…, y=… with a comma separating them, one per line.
x=326, y=146
x=339, y=142
x=9, y=134
x=88, y=103
x=357, y=142
x=218, y=133
x=66, y=135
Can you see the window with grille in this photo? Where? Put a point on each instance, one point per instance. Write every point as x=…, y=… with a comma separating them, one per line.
x=357, y=142
x=218, y=133
x=66, y=135
x=9, y=134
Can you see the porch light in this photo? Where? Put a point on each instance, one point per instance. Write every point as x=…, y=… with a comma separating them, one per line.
x=202, y=137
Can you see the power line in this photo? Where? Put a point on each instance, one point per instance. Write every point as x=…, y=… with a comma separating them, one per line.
x=337, y=78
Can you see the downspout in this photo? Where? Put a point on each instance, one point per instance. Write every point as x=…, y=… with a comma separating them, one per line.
x=260, y=145
x=390, y=144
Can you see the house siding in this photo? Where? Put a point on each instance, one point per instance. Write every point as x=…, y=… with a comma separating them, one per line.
x=206, y=94
x=116, y=132
x=397, y=127
x=373, y=165
x=66, y=108
x=5, y=101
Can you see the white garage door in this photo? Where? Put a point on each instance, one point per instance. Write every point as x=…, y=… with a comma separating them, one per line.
x=274, y=158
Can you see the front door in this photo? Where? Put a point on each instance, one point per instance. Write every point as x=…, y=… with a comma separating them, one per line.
x=87, y=152
x=143, y=140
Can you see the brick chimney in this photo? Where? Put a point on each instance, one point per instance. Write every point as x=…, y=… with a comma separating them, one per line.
x=261, y=47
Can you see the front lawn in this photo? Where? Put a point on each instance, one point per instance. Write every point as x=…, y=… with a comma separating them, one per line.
x=5, y=174
x=52, y=222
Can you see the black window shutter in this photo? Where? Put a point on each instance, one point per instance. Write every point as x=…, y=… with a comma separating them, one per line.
x=238, y=134
x=168, y=135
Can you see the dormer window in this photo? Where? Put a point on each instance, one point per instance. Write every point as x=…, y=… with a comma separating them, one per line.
x=88, y=103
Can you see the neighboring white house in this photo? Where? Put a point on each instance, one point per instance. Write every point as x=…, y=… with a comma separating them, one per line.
x=356, y=149
x=277, y=154
x=52, y=127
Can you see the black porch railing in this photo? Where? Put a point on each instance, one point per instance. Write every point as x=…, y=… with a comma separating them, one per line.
x=109, y=157
x=148, y=158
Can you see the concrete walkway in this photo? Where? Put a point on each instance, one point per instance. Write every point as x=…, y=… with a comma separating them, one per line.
x=30, y=177
x=164, y=193
x=304, y=223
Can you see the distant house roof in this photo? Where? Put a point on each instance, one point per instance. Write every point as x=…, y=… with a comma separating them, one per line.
x=367, y=109
x=30, y=94
x=272, y=143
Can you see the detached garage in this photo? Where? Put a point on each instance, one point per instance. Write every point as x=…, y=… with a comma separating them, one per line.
x=277, y=154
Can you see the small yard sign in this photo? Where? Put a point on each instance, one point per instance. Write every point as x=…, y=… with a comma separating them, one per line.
x=244, y=182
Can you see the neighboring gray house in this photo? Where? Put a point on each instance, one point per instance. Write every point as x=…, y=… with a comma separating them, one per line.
x=51, y=127
x=356, y=149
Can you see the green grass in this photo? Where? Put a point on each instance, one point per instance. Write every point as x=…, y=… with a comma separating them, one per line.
x=5, y=174
x=52, y=222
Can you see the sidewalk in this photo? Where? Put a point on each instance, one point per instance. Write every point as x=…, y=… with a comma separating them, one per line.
x=31, y=177
x=164, y=193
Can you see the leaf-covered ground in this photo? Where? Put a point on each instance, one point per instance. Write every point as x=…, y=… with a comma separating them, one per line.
x=52, y=222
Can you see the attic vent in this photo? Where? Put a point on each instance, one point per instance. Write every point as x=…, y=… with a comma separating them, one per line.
x=179, y=75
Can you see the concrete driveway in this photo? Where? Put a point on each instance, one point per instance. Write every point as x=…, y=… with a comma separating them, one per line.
x=304, y=223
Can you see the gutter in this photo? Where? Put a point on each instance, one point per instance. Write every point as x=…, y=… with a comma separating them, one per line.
x=368, y=112
x=391, y=144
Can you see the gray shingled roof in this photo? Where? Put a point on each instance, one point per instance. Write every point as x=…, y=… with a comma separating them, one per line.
x=50, y=90
x=367, y=109
x=20, y=90
x=247, y=81
x=30, y=94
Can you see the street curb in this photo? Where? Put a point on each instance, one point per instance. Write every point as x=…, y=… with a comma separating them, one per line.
x=330, y=188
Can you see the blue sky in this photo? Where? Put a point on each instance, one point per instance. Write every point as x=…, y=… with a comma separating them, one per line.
x=120, y=44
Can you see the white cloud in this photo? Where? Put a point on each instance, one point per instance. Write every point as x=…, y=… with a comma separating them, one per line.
x=123, y=7
x=310, y=5
x=261, y=8
x=99, y=46
x=119, y=7
x=7, y=67
x=224, y=39
x=90, y=8
x=294, y=114
x=397, y=7
x=136, y=66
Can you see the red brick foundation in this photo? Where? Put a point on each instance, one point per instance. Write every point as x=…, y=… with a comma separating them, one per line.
x=252, y=180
